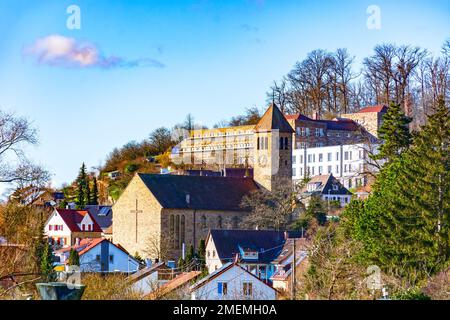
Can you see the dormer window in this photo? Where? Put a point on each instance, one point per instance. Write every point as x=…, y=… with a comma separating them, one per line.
x=250, y=254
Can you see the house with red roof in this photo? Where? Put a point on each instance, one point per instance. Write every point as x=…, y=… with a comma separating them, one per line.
x=100, y=255
x=66, y=227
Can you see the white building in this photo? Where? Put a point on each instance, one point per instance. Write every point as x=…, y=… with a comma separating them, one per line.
x=100, y=255
x=232, y=282
x=66, y=227
x=345, y=162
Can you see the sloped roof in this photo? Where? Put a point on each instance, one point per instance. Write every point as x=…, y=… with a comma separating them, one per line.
x=73, y=217
x=268, y=243
x=177, y=282
x=297, y=116
x=377, y=108
x=325, y=185
x=208, y=193
x=101, y=214
x=142, y=273
x=340, y=124
x=223, y=269
x=273, y=119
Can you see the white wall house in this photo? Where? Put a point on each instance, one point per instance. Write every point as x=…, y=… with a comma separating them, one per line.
x=232, y=282
x=345, y=162
x=66, y=227
x=101, y=255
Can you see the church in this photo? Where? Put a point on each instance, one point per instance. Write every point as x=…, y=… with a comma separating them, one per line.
x=157, y=215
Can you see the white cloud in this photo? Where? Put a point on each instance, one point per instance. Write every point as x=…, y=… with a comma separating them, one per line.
x=60, y=51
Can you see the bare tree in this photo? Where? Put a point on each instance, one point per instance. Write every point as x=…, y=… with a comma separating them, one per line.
x=273, y=209
x=15, y=133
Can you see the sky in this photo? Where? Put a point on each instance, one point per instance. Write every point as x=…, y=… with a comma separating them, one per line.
x=125, y=68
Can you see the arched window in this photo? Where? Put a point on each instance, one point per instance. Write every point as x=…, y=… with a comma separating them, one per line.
x=258, y=141
x=281, y=143
x=177, y=231
x=183, y=230
x=171, y=225
x=219, y=222
x=286, y=143
x=203, y=221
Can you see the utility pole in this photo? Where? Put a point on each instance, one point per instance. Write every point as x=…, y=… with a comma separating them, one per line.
x=293, y=274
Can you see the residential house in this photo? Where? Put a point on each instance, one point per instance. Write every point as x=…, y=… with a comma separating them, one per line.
x=177, y=288
x=103, y=215
x=256, y=249
x=328, y=188
x=232, y=282
x=100, y=255
x=66, y=227
x=282, y=277
x=147, y=279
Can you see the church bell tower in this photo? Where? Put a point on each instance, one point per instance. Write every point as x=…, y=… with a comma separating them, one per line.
x=272, y=149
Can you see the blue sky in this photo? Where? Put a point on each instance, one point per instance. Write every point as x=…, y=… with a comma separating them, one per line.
x=209, y=58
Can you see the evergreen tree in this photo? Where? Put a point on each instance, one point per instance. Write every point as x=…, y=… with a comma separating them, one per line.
x=74, y=258
x=394, y=132
x=47, y=270
x=88, y=192
x=94, y=193
x=190, y=255
x=81, y=187
x=404, y=224
x=180, y=264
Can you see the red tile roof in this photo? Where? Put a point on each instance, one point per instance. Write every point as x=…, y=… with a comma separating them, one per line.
x=73, y=217
x=94, y=243
x=377, y=108
x=297, y=116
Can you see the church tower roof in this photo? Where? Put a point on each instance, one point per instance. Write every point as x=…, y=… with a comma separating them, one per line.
x=273, y=119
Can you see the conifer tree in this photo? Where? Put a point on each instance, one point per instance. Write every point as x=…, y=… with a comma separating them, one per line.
x=47, y=270
x=74, y=258
x=404, y=224
x=94, y=193
x=394, y=132
x=88, y=192
x=81, y=187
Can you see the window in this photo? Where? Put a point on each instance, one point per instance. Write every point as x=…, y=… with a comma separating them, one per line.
x=337, y=169
x=247, y=289
x=307, y=132
x=320, y=169
x=329, y=169
x=222, y=288
x=83, y=227
x=111, y=258
x=97, y=258
x=303, y=131
x=294, y=159
x=312, y=171
x=171, y=226
x=321, y=132
x=209, y=253
x=346, y=155
x=309, y=158
x=345, y=168
x=320, y=157
x=203, y=221
x=281, y=146
x=182, y=229
x=329, y=156
x=286, y=143
x=301, y=159
x=50, y=227
x=337, y=156
x=317, y=132
x=298, y=131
